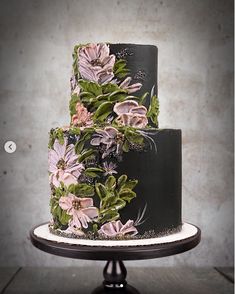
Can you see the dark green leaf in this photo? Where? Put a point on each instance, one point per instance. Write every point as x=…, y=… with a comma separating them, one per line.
x=85, y=154
x=82, y=190
x=103, y=111
x=90, y=87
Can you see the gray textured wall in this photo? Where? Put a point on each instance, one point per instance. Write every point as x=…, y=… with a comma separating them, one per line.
x=195, y=41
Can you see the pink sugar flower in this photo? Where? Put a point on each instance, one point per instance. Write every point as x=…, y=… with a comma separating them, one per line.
x=130, y=113
x=95, y=63
x=83, y=117
x=81, y=210
x=117, y=229
x=130, y=88
x=63, y=164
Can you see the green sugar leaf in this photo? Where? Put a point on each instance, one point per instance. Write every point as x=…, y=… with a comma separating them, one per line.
x=143, y=98
x=118, y=96
x=130, y=184
x=109, y=88
x=82, y=190
x=72, y=104
x=127, y=195
x=103, y=111
x=93, y=172
x=153, y=110
x=121, y=180
x=110, y=183
x=101, y=190
x=86, y=153
x=90, y=87
x=125, y=146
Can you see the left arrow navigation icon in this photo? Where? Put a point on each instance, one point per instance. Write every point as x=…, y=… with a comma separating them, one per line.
x=10, y=146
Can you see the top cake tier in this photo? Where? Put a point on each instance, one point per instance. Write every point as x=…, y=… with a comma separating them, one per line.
x=114, y=84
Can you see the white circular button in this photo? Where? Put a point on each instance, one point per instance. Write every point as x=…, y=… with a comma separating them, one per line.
x=10, y=146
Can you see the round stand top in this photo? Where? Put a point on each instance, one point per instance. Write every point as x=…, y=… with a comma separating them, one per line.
x=136, y=249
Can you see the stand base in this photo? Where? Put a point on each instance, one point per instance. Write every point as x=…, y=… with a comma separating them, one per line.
x=125, y=290
x=115, y=279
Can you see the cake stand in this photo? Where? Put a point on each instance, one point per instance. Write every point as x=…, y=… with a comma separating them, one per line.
x=114, y=252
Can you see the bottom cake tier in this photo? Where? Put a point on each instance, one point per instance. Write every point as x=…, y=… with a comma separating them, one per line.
x=115, y=183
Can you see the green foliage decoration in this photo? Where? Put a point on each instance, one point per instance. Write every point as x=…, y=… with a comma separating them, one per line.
x=114, y=194
x=120, y=68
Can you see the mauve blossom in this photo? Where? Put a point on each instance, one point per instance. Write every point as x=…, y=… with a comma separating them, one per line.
x=110, y=138
x=117, y=229
x=130, y=88
x=83, y=117
x=95, y=63
x=81, y=210
x=130, y=113
x=109, y=168
x=63, y=164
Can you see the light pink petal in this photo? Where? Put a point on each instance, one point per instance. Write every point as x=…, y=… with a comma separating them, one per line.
x=82, y=218
x=125, y=83
x=142, y=110
x=54, y=180
x=108, y=62
x=65, y=202
x=60, y=149
x=131, y=230
x=134, y=88
x=52, y=161
x=105, y=77
x=75, y=169
x=103, y=51
x=127, y=225
x=118, y=225
x=112, y=132
x=124, y=107
x=68, y=179
x=85, y=202
x=75, y=222
x=139, y=121
x=108, y=229
x=91, y=212
x=96, y=141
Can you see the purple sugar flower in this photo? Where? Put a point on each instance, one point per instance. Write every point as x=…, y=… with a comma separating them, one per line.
x=109, y=168
x=63, y=164
x=95, y=64
x=130, y=113
x=117, y=229
x=108, y=137
x=130, y=88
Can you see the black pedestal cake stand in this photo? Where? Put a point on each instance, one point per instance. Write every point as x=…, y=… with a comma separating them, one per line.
x=114, y=270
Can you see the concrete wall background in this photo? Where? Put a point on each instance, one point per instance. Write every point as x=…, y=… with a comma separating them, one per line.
x=195, y=41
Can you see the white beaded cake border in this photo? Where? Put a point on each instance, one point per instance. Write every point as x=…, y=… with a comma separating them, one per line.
x=187, y=231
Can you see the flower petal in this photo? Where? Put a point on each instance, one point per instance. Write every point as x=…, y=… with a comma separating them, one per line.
x=124, y=107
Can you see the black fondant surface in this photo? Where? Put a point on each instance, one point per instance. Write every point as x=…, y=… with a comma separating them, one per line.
x=159, y=186
x=142, y=62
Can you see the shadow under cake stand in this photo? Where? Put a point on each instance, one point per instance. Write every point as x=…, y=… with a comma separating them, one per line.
x=114, y=270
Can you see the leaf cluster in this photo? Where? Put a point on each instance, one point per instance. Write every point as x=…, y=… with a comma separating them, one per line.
x=113, y=195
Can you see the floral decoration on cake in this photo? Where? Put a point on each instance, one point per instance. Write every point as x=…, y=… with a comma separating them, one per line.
x=108, y=118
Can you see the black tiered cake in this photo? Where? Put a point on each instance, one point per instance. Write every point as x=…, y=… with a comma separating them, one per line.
x=113, y=173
